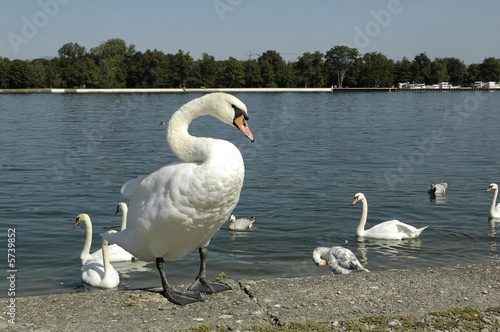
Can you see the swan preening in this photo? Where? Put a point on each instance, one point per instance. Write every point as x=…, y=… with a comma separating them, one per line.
x=179, y=207
x=241, y=224
x=340, y=260
x=115, y=252
x=438, y=188
x=99, y=272
x=494, y=210
x=389, y=230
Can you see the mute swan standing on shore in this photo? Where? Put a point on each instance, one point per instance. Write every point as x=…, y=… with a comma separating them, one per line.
x=340, y=260
x=99, y=272
x=179, y=207
x=389, y=230
x=494, y=210
x=241, y=224
x=115, y=252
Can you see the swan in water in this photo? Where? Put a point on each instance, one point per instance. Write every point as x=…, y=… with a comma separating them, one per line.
x=389, y=230
x=241, y=224
x=99, y=272
x=123, y=208
x=438, y=188
x=179, y=207
x=116, y=253
x=494, y=210
x=340, y=260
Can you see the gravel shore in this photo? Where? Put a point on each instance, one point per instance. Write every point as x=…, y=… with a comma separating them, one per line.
x=331, y=299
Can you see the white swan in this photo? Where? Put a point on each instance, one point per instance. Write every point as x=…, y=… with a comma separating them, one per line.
x=100, y=272
x=179, y=207
x=241, y=224
x=116, y=253
x=340, y=260
x=494, y=210
x=438, y=188
x=123, y=208
x=389, y=230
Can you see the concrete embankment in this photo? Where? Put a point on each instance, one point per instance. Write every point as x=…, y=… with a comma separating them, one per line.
x=159, y=90
x=333, y=299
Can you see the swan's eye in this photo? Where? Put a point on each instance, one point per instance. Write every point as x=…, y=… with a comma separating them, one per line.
x=239, y=112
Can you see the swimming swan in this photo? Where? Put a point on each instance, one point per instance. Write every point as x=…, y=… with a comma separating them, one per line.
x=340, y=260
x=99, y=272
x=494, y=211
x=123, y=208
x=241, y=224
x=179, y=207
x=389, y=230
x=438, y=188
x=116, y=253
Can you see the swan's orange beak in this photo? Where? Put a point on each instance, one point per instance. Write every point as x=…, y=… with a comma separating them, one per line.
x=489, y=188
x=77, y=222
x=354, y=201
x=325, y=263
x=241, y=123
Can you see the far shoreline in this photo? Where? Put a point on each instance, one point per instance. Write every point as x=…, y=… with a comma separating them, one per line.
x=229, y=90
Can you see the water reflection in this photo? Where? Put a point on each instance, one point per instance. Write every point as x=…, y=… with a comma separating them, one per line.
x=393, y=249
x=437, y=198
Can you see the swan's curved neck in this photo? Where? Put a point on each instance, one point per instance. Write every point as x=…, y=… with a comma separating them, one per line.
x=493, y=201
x=362, y=222
x=124, y=218
x=105, y=257
x=188, y=148
x=88, y=240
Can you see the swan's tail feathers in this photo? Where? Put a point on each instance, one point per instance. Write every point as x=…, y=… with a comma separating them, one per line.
x=129, y=188
x=319, y=255
x=420, y=230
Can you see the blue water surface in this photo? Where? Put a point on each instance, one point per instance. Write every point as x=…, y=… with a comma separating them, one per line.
x=66, y=154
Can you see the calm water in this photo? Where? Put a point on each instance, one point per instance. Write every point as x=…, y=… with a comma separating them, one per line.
x=62, y=155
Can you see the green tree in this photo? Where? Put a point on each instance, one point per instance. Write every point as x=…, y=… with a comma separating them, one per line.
x=274, y=70
x=402, y=71
x=421, y=69
x=233, y=75
x=182, y=68
x=20, y=75
x=310, y=70
x=207, y=70
x=71, y=51
x=439, y=72
x=456, y=71
x=376, y=70
x=490, y=70
x=110, y=57
x=338, y=61
x=472, y=74
x=252, y=74
x=4, y=73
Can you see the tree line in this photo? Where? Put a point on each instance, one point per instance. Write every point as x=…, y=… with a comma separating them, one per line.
x=114, y=64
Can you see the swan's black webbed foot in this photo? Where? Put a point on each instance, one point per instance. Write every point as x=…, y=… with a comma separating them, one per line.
x=202, y=285
x=175, y=296
x=182, y=297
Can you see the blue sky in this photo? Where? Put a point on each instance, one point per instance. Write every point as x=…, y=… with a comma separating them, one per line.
x=468, y=30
